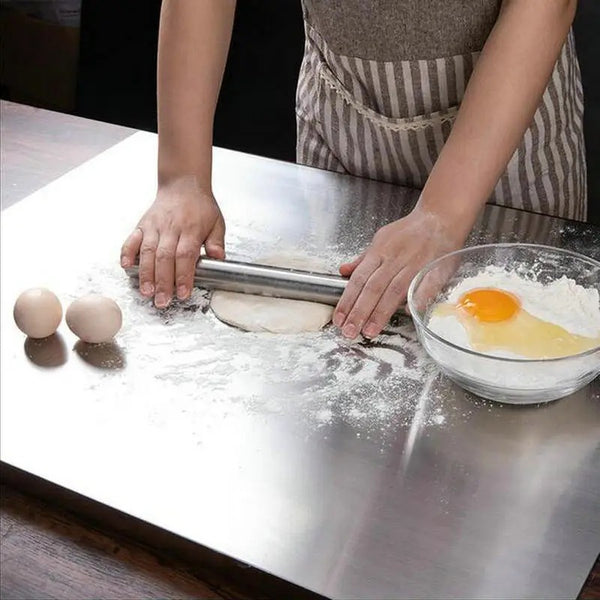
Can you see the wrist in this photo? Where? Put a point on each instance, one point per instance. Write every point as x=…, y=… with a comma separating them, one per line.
x=454, y=199
x=175, y=168
x=184, y=183
x=456, y=217
x=170, y=175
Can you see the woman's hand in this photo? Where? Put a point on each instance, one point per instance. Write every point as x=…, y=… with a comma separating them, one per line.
x=493, y=117
x=379, y=278
x=169, y=237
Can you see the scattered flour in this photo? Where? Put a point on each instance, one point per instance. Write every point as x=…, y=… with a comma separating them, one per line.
x=193, y=365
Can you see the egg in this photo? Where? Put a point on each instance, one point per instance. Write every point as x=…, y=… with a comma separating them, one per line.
x=94, y=319
x=495, y=320
x=37, y=312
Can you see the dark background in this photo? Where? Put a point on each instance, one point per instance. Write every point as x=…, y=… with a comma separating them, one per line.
x=255, y=114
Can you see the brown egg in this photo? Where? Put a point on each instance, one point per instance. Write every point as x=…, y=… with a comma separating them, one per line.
x=37, y=312
x=94, y=319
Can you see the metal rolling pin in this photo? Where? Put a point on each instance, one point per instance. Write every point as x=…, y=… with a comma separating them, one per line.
x=264, y=280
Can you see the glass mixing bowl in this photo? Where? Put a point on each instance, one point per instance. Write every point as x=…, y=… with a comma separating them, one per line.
x=511, y=380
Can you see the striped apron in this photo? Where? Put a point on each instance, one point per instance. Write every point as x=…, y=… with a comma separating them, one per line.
x=388, y=120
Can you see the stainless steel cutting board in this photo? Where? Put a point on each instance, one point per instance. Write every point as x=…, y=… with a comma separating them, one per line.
x=353, y=470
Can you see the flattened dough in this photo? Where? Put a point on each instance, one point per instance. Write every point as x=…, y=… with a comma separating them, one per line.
x=275, y=315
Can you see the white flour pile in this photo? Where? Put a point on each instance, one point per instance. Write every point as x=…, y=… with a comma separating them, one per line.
x=562, y=302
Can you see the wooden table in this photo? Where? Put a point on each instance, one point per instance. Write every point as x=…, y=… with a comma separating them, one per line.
x=56, y=544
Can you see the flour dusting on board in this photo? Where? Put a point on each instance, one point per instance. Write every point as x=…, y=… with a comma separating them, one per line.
x=203, y=365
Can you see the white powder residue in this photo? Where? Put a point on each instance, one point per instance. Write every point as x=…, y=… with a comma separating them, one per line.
x=196, y=368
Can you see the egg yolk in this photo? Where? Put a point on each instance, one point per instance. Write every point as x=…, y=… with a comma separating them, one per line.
x=489, y=305
x=494, y=320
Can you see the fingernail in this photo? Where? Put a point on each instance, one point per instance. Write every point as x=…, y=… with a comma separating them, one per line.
x=370, y=331
x=338, y=319
x=161, y=300
x=147, y=289
x=349, y=331
x=125, y=262
x=182, y=292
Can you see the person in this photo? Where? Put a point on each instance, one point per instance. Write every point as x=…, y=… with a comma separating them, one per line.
x=469, y=101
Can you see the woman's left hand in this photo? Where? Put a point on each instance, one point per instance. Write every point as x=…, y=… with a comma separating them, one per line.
x=380, y=276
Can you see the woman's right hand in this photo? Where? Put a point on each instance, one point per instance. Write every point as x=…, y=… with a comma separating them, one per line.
x=169, y=238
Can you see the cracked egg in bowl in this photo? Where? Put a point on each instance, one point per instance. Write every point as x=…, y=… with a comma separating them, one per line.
x=515, y=323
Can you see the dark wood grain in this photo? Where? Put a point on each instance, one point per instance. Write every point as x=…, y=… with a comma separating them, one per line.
x=50, y=554
x=40, y=145
x=144, y=544
x=591, y=588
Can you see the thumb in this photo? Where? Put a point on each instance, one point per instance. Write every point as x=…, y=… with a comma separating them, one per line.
x=346, y=269
x=215, y=241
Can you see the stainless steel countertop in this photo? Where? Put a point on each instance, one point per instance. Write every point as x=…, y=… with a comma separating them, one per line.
x=352, y=470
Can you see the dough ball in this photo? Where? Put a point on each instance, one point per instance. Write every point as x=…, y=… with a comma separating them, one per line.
x=94, y=319
x=37, y=312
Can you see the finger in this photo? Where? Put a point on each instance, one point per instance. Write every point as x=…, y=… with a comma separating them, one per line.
x=186, y=257
x=367, y=300
x=147, y=259
x=165, y=270
x=346, y=269
x=215, y=242
x=131, y=247
x=354, y=287
x=393, y=297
